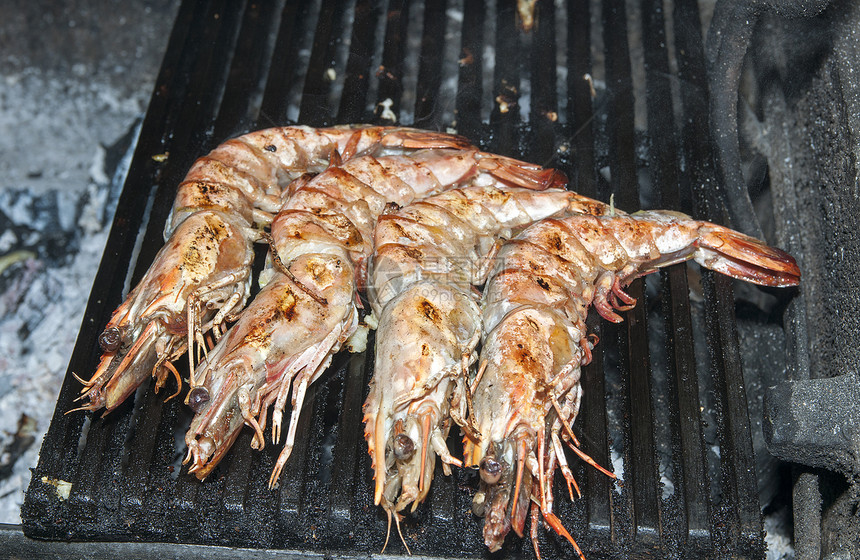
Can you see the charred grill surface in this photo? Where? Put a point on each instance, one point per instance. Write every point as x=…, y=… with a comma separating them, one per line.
x=560, y=95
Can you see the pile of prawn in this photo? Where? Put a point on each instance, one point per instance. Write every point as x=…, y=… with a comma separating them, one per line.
x=419, y=221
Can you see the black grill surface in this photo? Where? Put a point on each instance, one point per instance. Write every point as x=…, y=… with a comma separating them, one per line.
x=664, y=389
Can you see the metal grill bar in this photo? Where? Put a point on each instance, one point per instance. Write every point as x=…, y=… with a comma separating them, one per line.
x=391, y=72
x=242, y=95
x=740, y=520
x=544, y=99
x=358, y=71
x=314, y=108
x=283, y=71
x=470, y=84
x=689, y=511
x=125, y=484
x=641, y=484
x=505, y=115
x=428, y=113
x=734, y=520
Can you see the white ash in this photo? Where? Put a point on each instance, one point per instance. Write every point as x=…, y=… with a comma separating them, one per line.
x=777, y=526
x=58, y=124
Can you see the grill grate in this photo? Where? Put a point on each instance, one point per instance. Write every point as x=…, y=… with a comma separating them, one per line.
x=126, y=481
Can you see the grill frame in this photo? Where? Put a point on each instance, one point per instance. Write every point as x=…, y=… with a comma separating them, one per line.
x=203, y=96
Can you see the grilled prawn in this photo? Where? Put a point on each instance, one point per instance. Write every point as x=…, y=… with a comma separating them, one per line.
x=426, y=259
x=527, y=392
x=200, y=278
x=321, y=239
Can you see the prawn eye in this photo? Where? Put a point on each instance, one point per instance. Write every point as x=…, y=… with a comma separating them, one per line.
x=197, y=398
x=110, y=339
x=403, y=447
x=491, y=470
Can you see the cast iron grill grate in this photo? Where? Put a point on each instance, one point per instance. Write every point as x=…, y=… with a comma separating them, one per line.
x=566, y=94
